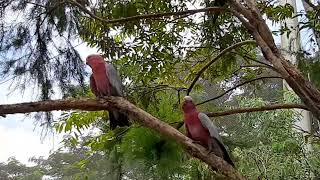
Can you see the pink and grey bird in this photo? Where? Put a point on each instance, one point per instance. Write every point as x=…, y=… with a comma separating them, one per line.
x=105, y=81
x=201, y=129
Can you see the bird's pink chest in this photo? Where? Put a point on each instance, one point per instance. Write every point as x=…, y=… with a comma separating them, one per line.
x=195, y=128
x=101, y=79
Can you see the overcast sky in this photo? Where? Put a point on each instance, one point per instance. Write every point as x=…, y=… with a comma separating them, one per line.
x=19, y=137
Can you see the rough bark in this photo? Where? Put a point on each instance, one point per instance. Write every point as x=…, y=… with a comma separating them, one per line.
x=135, y=113
x=250, y=16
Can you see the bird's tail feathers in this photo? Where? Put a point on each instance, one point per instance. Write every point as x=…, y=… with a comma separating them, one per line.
x=226, y=156
x=118, y=119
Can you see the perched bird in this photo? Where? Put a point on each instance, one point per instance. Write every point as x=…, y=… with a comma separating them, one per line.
x=105, y=81
x=201, y=129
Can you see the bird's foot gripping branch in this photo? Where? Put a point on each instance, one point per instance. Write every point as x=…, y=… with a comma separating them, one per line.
x=135, y=113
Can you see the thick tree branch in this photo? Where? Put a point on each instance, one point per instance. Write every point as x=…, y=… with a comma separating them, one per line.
x=235, y=87
x=252, y=19
x=309, y=4
x=133, y=112
x=145, y=16
x=223, y=52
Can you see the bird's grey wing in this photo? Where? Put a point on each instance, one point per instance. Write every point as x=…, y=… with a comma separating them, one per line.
x=114, y=79
x=215, y=144
x=208, y=124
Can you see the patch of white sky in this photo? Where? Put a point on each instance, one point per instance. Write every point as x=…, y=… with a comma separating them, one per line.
x=20, y=137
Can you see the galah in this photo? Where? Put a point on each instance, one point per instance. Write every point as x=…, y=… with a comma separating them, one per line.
x=105, y=81
x=201, y=129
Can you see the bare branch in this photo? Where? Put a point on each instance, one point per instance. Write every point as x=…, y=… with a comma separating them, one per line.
x=260, y=62
x=272, y=107
x=145, y=16
x=235, y=87
x=133, y=112
x=299, y=128
x=223, y=52
x=36, y=4
x=310, y=4
x=51, y=9
x=256, y=109
x=249, y=66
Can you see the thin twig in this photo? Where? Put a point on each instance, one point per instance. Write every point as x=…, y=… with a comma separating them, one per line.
x=235, y=87
x=51, y=10
x=223, y=52
x=253, y=59
x=310, y=4
x=256, y=109
x=249, y=66
x=272, y=107
x=145, y=16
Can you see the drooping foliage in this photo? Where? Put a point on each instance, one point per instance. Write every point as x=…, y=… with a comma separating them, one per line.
x=37, y=45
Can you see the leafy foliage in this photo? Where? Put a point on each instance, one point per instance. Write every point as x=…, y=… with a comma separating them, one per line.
x=310, y=68
x=36, y=46
x=267, y=146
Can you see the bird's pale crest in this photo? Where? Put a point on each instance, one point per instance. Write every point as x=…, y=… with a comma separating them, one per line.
x=188, y=98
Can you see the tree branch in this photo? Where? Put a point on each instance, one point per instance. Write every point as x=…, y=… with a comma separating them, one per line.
x=145, y=16
x=299, y=128
x=310, y=4
x=51, y=9
x=133, y=112
x=223, y=52
x=252, y=19
x=235, y=87
x=179, y=124
x=248, y=66
x=260, y=62
x=256, y=109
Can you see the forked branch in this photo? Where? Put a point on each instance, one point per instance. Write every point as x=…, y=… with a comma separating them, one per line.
x=239, y=85
x=222, y=53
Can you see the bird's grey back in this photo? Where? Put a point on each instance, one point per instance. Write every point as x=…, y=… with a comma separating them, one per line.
x=207, y=123
x=115, y=80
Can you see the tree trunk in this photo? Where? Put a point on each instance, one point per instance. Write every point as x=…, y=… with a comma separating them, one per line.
x=290, y=45
x=251, y=17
